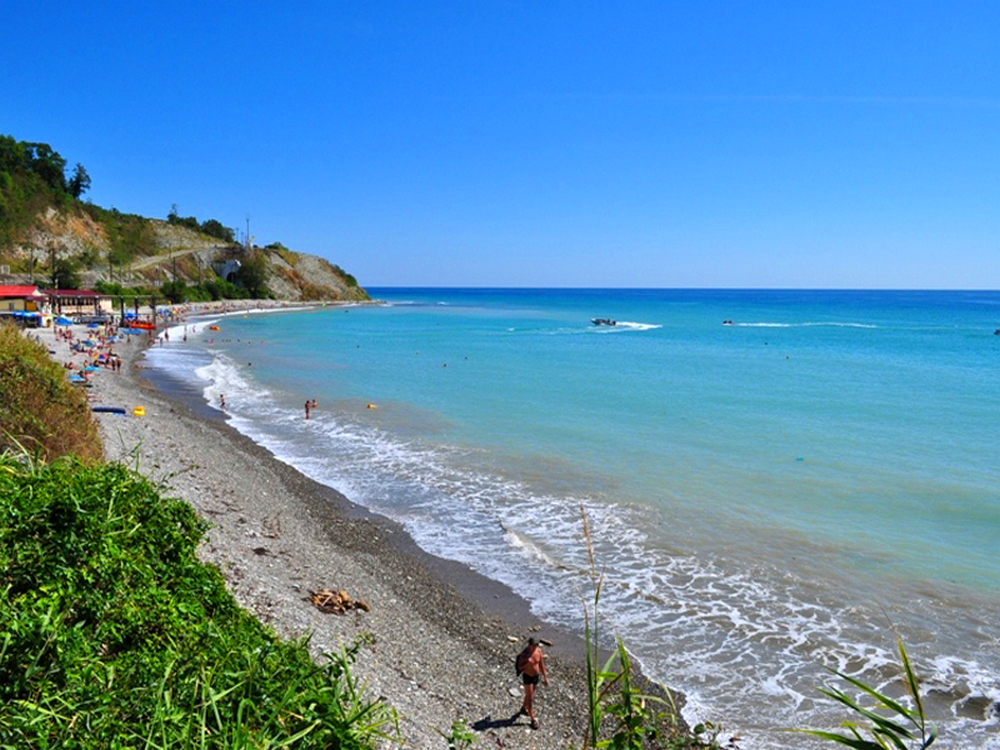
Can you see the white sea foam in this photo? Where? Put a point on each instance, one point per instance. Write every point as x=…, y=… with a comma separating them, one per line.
x=621, y=326
x=225, y=378
x=832, y=324
x=626, y=325
x=724, y=628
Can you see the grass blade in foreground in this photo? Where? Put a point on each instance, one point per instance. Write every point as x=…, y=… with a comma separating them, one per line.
x=887, y=732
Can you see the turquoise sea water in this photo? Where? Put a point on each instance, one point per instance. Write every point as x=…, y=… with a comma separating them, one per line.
x=767, y=497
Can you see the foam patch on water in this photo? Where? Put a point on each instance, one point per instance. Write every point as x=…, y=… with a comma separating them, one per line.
x=621, y=326
x=224, y=378
x=626, y=325
x=832, y=324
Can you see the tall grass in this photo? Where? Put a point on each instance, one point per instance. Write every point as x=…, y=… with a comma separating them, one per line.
x=113, y=634
x=889, y=724
x=622, y=714
x=39, y=409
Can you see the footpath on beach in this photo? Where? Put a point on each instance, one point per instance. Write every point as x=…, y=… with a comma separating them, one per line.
x=280, y=539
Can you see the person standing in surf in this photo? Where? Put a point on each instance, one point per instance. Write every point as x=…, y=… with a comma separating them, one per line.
x=531, y=666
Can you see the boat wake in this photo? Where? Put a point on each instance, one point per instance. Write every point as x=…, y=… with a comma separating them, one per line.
x=624, y=325
x=831, y=324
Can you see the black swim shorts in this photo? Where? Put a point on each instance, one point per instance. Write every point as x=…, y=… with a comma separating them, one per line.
x=529, y=679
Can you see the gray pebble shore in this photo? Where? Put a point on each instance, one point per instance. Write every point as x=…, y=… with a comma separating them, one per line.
x=444, y=638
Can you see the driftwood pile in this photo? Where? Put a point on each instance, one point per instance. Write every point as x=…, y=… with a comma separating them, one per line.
x=336, y=602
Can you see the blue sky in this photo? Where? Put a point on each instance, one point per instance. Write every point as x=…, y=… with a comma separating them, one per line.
x=656, y=144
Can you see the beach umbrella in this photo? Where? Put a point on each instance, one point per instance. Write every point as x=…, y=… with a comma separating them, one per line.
x=64, y=322
x=93, y=325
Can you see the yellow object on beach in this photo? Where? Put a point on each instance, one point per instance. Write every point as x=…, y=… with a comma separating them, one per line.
x=372, y=406
x=139, y=411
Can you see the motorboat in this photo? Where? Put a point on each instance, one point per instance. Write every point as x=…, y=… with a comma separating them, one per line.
x=603, y=322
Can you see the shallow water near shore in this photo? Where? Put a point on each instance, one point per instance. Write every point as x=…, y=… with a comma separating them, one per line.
x=766, y=496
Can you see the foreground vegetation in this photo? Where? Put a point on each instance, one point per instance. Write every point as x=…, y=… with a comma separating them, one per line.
x=113, y=634
x=39, y=410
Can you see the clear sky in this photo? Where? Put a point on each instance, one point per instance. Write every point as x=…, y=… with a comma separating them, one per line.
x=479, y=143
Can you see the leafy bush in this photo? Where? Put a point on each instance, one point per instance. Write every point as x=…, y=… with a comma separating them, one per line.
x=113, y=634
x=130, y=236
x=253, y=275
x=211, y=227
x=39, y=409
x=175, y=291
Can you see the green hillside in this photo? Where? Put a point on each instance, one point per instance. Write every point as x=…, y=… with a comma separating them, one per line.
x=51, y=236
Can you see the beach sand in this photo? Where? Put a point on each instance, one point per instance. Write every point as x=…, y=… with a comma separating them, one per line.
x=444, y=637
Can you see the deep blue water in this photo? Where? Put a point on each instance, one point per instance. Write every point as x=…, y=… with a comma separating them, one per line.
x=766, y=495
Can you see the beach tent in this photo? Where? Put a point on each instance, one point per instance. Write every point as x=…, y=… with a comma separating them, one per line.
x=93, y=325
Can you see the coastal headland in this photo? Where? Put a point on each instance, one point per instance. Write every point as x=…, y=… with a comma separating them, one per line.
x=443, y=638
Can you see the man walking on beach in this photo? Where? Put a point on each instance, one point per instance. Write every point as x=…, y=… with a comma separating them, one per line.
x=531, y=665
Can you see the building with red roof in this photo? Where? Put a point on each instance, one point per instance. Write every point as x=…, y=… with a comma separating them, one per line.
x=22, y=298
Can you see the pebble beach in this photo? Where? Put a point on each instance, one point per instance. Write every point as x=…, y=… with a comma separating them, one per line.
x=442, y=638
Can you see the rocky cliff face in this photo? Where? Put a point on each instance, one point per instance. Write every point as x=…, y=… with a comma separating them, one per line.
x=308, y=277
x=69, y=234
x=173, y=252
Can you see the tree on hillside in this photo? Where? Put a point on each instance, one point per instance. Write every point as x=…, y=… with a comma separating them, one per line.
x=65, y=274
x=214, y=228
x=13, y=155
x=175, y=291
x=41, y=160
x=32, y=178
x=47, y=164
x=79, y=183
x=253, y=274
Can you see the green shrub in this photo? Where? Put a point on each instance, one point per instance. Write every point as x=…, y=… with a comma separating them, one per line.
x=113, y=634
x=39, y=409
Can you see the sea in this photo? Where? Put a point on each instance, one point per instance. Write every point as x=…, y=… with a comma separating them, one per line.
x=777, y=483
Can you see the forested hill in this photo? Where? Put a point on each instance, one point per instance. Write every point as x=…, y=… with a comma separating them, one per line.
x=50, y=235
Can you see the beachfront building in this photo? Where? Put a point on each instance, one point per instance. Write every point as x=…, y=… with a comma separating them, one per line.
x=23, y=303
x=22, y=298
x=79, y=302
